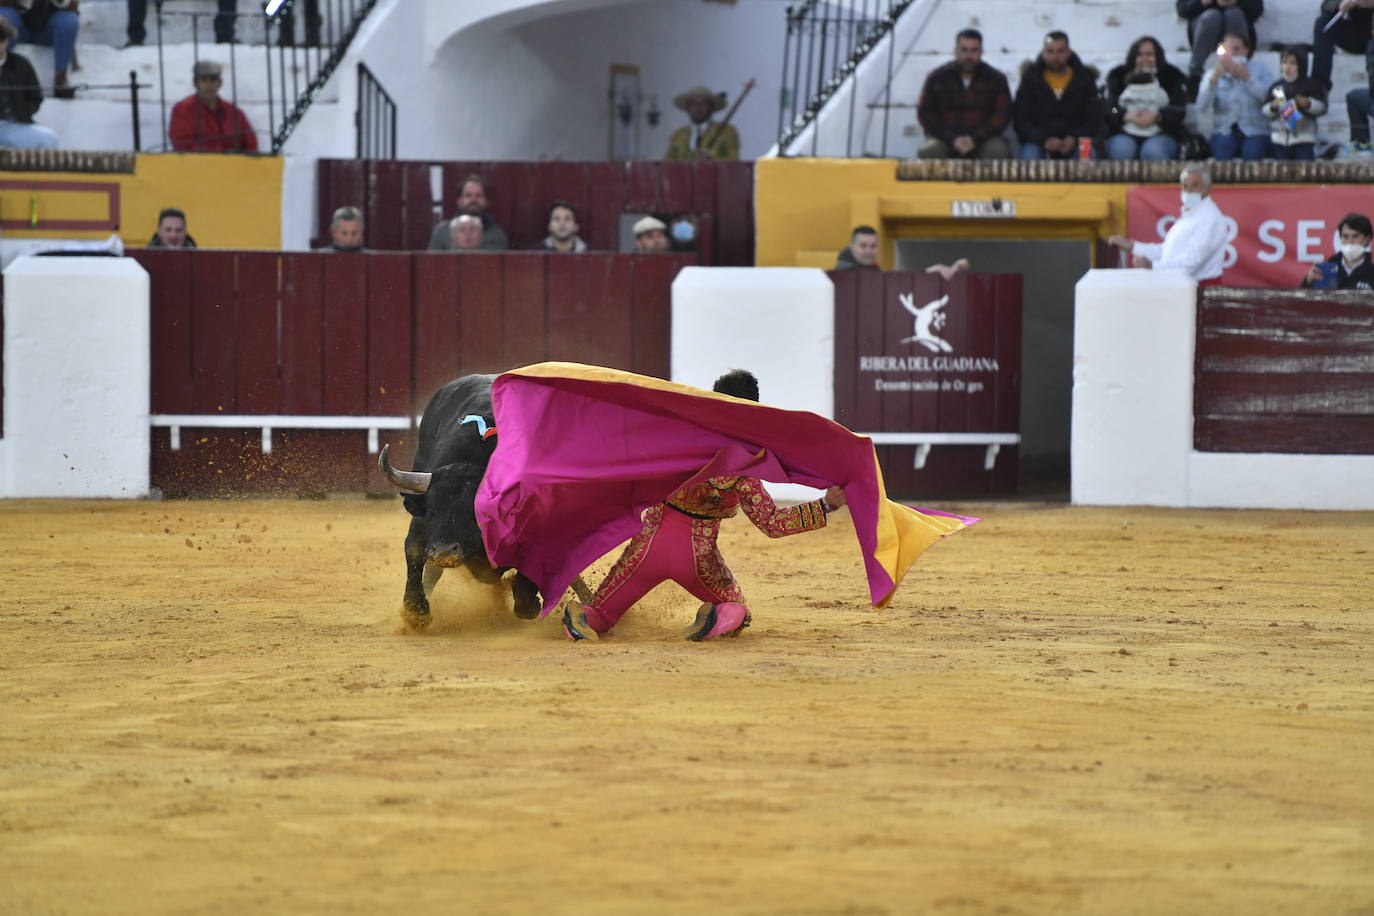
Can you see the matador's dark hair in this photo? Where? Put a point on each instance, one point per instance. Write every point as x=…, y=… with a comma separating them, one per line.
x=739, y=383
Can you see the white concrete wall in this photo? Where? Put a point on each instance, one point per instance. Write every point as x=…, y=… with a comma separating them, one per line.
x=728, y=317
x=77, y=360
x=1132, y=440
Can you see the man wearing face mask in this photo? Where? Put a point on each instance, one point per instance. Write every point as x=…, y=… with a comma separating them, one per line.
x=1351, y=266
x=1196, y=242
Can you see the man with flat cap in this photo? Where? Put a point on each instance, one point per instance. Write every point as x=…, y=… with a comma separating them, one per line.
x=205, y=123
x=703, y=138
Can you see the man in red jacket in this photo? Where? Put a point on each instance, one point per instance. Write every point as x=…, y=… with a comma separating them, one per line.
x=205, y=123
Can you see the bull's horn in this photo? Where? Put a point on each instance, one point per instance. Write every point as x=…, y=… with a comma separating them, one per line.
x=411, y=481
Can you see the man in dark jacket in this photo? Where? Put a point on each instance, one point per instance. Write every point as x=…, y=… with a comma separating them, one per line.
x=1057, y=103
x=472, y=201
x=862, y=251
x=1351, y=267
x=20, y=96
x=965, y=105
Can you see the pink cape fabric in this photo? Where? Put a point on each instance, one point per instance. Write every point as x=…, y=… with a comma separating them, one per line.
x=581, y=451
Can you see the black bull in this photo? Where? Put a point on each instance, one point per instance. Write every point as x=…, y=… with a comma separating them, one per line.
x=439, y=493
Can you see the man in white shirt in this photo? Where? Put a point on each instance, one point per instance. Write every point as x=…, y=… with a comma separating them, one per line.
x=1196, y=242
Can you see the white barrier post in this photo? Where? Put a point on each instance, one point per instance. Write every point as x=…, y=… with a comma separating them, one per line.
x=777, y=322
x=1133, y=345
x=76, y=393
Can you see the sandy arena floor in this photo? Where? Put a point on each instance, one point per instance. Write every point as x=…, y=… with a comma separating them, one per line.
x=211, y=707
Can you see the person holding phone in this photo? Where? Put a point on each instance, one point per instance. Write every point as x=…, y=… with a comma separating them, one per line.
x=1208, y=21
x=1234, y=93
x=1351, y=267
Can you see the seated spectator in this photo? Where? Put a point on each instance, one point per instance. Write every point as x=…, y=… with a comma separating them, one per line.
x=472, y=201
x=20, y=98
x=1359, y=105
x=346, y=230
x=465, y=233
x=703, y=139
x=1057, y=103
x=1196, y=242
x=1349, y=268
x=651, y=234
x=965, y=106
x=1234, y=91
x=171, y=230
x=1208, y=21
x=682, y=232
x=562, y=229
x=1353, y=32
x=1295, y=102
x=1145, y=115
x=52, y=23
x=205, y=123
x=862, y=251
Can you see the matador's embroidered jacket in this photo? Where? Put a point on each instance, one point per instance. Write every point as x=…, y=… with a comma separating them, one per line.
x=721, y=497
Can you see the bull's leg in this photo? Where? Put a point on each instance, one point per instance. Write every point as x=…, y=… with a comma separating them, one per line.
x=526, y=595
x=415, y=607
x=432, y=574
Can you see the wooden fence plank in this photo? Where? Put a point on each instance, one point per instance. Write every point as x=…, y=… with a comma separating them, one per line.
x=735, y=214
x=523, y=337
x=345, y=335
x=418, y=220
x=302, y=311
x=436, y=294
x=675, y=192
x=606, y=202
x=610, y=341
x=846, y=352
x=386, y=198
x=482, y=316
x=1285, y=435
x=570, y=318
x=214, y=331
x=170, y=306
x=389, y=324
x=651, y=281
x=641, y=188
x=258, y=382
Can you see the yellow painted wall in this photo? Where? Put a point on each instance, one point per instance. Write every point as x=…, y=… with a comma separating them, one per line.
x=805, y=209
x=230, y=201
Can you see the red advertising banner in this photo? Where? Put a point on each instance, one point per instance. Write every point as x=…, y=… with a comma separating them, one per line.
x=1276, y=233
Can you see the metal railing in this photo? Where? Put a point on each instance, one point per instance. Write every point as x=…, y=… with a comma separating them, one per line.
x=826, y=40
x=299, y=59
x=375, y=118
x=335, y=22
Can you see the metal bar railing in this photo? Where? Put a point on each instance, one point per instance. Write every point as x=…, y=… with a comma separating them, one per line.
x=376, y=118
x=298, y=63
x=834, y=36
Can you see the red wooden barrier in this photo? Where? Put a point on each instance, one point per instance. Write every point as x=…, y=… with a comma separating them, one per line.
x=1285, y=371
x=400, y=211
x=371, y=335
x=959, y=373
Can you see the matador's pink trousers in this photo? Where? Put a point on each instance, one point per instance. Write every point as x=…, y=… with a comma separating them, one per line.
x=671, y=545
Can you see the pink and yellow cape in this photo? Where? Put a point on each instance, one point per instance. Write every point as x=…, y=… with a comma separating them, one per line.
x=581, y=451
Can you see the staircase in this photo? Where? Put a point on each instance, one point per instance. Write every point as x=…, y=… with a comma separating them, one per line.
x=273, y=85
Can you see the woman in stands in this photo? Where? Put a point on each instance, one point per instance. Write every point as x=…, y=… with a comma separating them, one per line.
x=1137, y=132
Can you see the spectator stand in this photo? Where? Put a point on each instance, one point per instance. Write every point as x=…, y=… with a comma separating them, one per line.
x=400, y=206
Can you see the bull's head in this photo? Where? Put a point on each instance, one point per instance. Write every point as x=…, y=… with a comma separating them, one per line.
x=452, y=537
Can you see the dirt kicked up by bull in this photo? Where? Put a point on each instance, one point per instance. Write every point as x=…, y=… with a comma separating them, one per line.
x=457, y=436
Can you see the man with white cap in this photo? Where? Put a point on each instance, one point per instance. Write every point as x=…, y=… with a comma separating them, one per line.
x=651, y=235
x=703, y=138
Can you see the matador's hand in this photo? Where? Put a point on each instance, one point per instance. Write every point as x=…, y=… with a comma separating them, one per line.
x=834, y=498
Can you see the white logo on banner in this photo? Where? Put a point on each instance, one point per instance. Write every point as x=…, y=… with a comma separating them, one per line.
x=929, y=319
